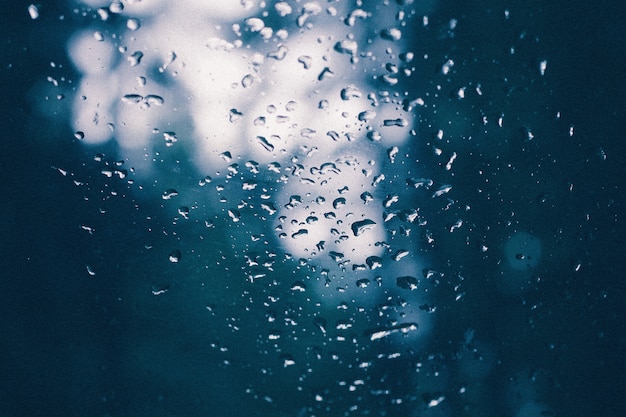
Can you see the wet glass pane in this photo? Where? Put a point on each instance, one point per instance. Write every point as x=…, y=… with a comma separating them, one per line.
x=312, y=208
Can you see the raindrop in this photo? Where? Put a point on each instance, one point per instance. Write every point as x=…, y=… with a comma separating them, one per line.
x=298, y=286
x=339, y=202
x=234, y=115
x=374, y=262
x=350, y=92
x=367, y=115
x=442, y=190
x=363, y=283
x=33, y=11
x=391, y=34
x=287, y=360
x=379, y=333
x=400, y=122
x=135, y=58
x=336, y=256
x=347, y=46
x=132, y=98
x=354, y=14
x=399, y=254
x=320, y=323
x=133, y=24
x=282, y=8
x=268, y=146
x=360, y=227
x=169, y=193
x=235, y=215
x=306, y=61
x=184, y=211
x=407, y=282
x=279, y=54
x=154, y=100
x=299, y=233
x=175, y=256
x=255, y=24
x=170, y=138
x=247, y=80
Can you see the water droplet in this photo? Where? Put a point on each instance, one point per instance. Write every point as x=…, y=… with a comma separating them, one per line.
x=255, y=24
x=170, y=138
x=407, y=282
x=347, y=46
x=399, y=254
x=306, y=61
x=282, y=8
x=400, y=122
x=235, y=215
x=175, y=256
x=264, y=142
x=135, y=58
x=153, y=100
x=33, y=11
x=447, y=66
x=247, y=80
x=299, y=233
x=320, y=323
x=298, y=286
x=419, y=182
x=360, y=227
x=279, y=54
x=184, y=211
x=391, y=34
x=325, y=73
x=133, y=24
x=379, y=333
x=392, y=153
x=287, y=360
x=354, y=14
x=132, y=98
x=374, y=262
x=442, y=190
x=339, y=202
x=350, y=92
x=169, y=193
x=336, y=256
x=366, y=115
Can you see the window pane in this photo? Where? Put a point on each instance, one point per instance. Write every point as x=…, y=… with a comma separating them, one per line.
x=312, y=208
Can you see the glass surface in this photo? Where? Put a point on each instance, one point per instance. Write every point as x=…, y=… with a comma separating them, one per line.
x=312, y=208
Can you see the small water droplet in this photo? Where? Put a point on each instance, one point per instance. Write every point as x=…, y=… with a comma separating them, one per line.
x=33, y=11
x=169, y=193
x=350, y=92
x=374, y=262
x=235, y=215
x=391, y=34
x=306, y=61
x=407, y=282
x=360, y=227
x=247, y=80
x=175, y=256
x=400, y=122
x=135, y=58
x=347, y=46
